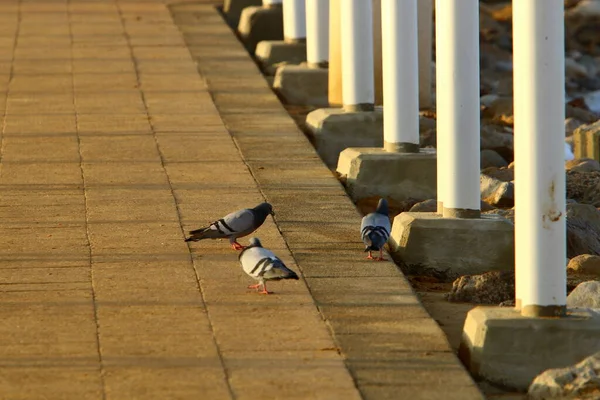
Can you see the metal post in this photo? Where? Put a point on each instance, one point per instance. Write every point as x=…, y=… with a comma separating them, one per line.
x=317, y=33
x=400, y=76
x=294, y=21
x=458, y=110
x=539, y=81
x=358, y=91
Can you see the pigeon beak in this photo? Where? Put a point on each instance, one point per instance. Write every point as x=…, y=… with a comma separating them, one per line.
x=272, y=213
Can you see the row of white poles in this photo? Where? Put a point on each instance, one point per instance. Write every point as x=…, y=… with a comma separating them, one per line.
x=538, y=27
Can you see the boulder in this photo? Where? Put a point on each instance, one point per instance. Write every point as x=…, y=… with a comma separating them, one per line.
x=585, y=264
x=582, y=165
x=495, y=188
x=492, y=287
x=583, y=230
x=581, y=381
x=425, y=206
x=585, y=295
x=571, y=124
x=492, y=137
x=491, y=158
x=584, y=187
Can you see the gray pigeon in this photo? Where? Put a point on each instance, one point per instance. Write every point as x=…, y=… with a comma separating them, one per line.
x=375, y=230
x=263, y=265
x=235, y=225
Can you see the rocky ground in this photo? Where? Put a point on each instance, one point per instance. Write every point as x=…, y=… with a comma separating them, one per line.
x=449, y=297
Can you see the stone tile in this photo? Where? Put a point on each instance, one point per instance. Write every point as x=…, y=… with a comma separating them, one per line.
x=119, y=148
x=41, y=173
x=40, y=125
x=113, y=124
x=52, y=149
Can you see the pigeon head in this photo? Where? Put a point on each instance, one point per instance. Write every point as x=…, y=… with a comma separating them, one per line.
x=255, y=242
x=264, y=209
x=382, y=207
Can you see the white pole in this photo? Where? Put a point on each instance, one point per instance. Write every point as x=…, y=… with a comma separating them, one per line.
x=458, y=110
x=400, y=76
x=294, y=20
x=317, y=33
x=425, y=15
x=268, y=3
x=540, y=230
x=358, y=86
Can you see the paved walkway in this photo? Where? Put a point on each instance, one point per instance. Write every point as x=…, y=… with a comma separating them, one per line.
x=113, y=145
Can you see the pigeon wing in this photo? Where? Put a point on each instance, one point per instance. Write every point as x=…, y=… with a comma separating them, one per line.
x=235, y=223
x=375, y=222
x=256, y=260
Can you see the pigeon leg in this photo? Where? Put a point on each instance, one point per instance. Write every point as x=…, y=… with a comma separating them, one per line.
x=236, y=246
x=380, y=258
x=265, y=291
x=370, y=256
x=255, y=286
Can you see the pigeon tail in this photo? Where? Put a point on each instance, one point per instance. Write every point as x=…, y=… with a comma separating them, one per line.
x=203, y=233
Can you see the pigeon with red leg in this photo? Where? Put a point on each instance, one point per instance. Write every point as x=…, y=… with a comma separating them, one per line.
x=233, y=226
x=375, y=230
x=263, y=265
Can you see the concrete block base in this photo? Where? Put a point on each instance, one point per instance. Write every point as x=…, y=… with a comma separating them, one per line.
x=465, y=246
x=260, y=23
x=399, y=176
x=301, y=85
x=334, y=130
x=233, y=9
x=501, y=346
x=586, y=142
x=270, y=52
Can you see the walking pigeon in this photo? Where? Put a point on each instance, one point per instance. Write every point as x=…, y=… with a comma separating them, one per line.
x=263, y=265
x=375, y=230
x=235, y=225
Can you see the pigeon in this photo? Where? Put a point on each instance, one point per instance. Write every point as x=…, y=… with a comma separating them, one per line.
x=375, y=230
x=263, y=265
x=233, y=226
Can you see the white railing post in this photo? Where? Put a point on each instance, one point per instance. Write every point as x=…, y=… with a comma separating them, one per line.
x=400, y=76
x=458, y=110
x=358, y=91
x=317, y=33
x=539, y=108
x=294, y=20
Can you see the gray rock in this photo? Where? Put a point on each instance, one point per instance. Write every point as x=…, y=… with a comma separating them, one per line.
x=570, y=125
x=581, y=382
x=582, y=165
x=585, y=264
x=583, y=230
x=496, y=192
x=492, y=287
x=574, y=70
x=425, y=206
x=491, y=158
x=585, y=295
x=492, y=137
x=500, y=110
x=509, y=214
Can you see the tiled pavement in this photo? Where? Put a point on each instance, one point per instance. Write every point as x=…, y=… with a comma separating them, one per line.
x=113, y=145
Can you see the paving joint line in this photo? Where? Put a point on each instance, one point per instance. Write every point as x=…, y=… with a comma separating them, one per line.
x=175, y=203
x=10, y=79
x=86, y=206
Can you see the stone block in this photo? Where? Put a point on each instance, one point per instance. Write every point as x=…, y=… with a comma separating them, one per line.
x=270, y=52
x=465, y=246
x=586, y=141
x=507, y=349
x=335, y=129
x=233, y=9
x=260, y=23
x=302, y=85
x=399, y=176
